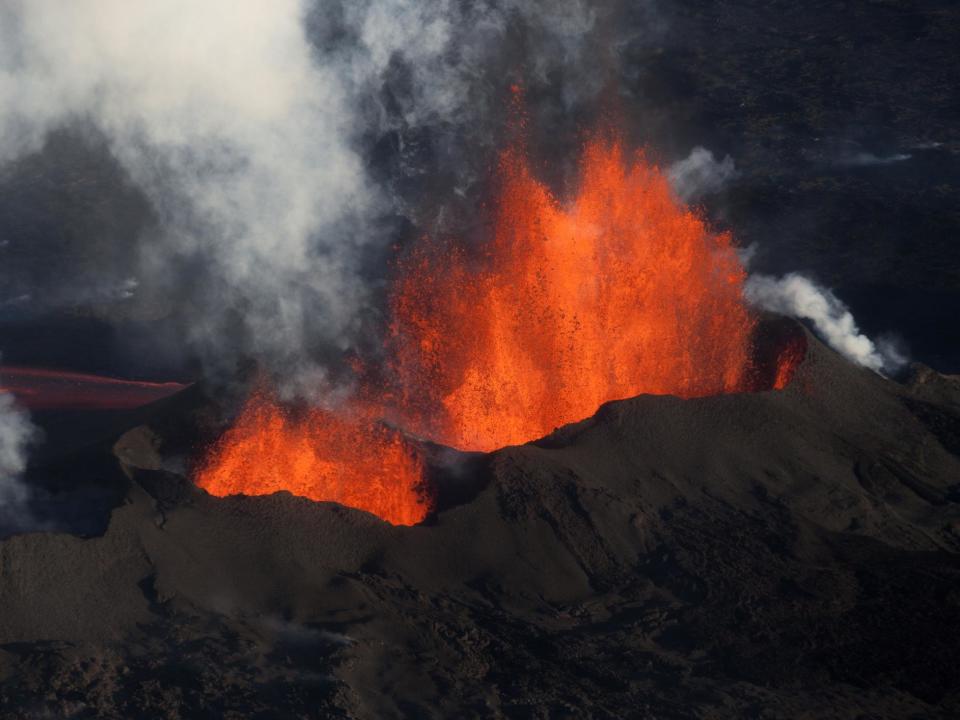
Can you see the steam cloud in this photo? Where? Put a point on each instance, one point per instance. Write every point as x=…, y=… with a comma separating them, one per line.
x=247, y=126
x=799, y=297
x=17, y=433
x=700, y=173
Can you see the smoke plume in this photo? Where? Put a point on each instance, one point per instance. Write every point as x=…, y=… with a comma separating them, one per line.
x=700, y=173
x=800, y=297
x=254, y=131
x=17, y=433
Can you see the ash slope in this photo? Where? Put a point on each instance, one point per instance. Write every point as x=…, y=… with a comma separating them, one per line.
x=781, y=554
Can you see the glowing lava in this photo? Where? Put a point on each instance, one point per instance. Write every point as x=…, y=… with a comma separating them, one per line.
x=348, y=457
x=622, y=291
x=789, y=359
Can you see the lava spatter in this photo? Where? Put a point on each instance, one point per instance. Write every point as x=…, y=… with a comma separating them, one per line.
x=621, y=291
x=348, y=456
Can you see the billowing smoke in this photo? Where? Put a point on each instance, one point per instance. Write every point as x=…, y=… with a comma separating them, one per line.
x=700, y=173
x=241, y=142
x=249, y=128
x=799, y=297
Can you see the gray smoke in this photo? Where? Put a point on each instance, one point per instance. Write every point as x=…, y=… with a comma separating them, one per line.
x=700, y=173
x=246, y=127
x=799, y=297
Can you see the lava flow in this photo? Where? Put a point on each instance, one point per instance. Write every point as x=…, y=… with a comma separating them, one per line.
x=42, y=389
x=620, y=292
x=349, y=457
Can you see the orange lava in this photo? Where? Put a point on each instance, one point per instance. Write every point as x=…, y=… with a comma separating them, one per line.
x=790, y=358
x=619, y=292
x=349, y=457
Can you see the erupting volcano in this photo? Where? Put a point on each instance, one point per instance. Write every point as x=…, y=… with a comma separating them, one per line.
x=619, y=292
x=482, y=404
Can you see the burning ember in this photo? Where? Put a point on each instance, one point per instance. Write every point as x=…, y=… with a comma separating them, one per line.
x=621, y=291
x=351, y=458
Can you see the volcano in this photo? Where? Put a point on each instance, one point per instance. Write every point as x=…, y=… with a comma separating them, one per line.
x=794, y=550
x=539, y=360
x=622, y=290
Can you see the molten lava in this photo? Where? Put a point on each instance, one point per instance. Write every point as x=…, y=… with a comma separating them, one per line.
x=789, y=359
x=619, y=292
x=349, y=457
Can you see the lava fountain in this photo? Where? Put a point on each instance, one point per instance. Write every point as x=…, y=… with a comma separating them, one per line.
x=349, y=457
x=619, y=292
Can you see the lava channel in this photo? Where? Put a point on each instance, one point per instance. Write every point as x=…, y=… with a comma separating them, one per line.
x=43, y=389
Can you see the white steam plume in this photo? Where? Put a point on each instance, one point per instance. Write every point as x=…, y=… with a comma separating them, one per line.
x=241, y=142
x=17, y=433
x=242, y=123
x=700, y=173
x=799, y=297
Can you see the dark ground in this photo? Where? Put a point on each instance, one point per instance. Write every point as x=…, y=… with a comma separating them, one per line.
x=766, y=555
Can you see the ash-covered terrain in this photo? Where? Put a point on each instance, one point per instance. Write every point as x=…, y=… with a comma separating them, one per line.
x=778, y=554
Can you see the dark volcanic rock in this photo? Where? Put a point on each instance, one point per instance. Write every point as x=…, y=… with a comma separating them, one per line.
x=777, y=554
